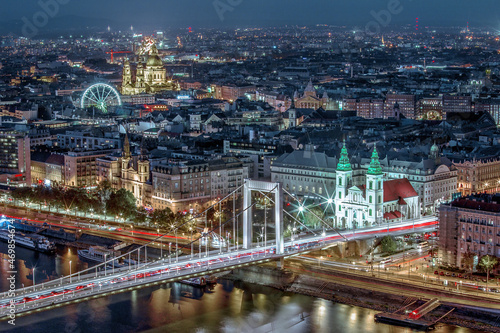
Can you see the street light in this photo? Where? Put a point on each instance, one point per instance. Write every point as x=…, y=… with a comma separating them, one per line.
x=69, y=271
x=161, y=243
x=176, y=248
x=191, y=229
x=34, y=283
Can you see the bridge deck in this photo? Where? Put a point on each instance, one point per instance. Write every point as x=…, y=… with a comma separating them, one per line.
x=78, y=287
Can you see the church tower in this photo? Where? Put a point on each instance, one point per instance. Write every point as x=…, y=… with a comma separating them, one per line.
x=126, y=155
x=126, y=147
x=434, y=154
x=127, y=74
x=292, y=115
x=375, y=188
x=139, y=81
x=344, y=180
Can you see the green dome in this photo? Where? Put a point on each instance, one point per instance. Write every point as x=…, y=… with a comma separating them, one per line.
x=344, y=164
x=374, y=168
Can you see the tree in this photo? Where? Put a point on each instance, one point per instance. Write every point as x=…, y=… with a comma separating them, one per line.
x=388, y=244
x=122, y=202
x=103, y=192
x=162, y=217
x=141, y=215
x=313, y=217
x=22, y=194
x=487, y=263
x=468, y=260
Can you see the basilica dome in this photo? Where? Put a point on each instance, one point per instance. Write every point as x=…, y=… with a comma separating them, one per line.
x=154, y=59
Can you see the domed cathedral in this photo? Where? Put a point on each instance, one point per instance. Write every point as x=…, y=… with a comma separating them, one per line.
x=310, y=99
x=150, y=76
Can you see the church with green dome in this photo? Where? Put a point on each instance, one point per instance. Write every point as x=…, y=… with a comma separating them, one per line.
x=375, y=202
x=150, y=76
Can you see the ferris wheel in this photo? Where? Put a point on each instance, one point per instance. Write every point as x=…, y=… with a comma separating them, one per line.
x=101, y=96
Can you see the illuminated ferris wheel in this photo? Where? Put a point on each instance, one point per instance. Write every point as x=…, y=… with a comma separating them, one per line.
x=101, y=96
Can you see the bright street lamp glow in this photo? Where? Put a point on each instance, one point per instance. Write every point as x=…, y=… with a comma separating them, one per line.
x=301, y=209
x=330, y=201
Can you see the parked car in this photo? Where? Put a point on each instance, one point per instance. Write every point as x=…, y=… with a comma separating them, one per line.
x=441, y=273
x=436, y=272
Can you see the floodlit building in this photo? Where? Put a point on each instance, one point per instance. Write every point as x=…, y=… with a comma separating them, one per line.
x=150, y=77
x=15, y=157
x=469, y=224
x=375, y=202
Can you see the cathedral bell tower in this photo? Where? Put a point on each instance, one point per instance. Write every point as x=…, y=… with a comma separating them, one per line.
x=127, y=73
x=344, y=180
x=292, y=115
x=375, y=189
x=126, y=155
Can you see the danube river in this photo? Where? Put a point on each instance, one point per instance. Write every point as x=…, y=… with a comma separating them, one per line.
x=228, y=307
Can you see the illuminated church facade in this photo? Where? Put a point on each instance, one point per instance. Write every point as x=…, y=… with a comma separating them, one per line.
x=149, y=77
x=375, y=202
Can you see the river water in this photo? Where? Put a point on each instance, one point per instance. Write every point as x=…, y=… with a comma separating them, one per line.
x=174, y=307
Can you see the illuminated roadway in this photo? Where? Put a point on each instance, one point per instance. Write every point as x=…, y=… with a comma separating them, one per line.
x=62, y=291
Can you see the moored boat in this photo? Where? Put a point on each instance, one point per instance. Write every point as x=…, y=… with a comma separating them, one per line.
x=98, y=254
x=31, y=241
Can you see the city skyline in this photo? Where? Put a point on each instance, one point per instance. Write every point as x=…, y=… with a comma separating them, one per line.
x=241, y=166
x=120, y=15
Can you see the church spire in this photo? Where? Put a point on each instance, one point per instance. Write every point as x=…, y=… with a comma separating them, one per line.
x=344, y=164
x=144, y=151
x=375, y=168
x=126, y=147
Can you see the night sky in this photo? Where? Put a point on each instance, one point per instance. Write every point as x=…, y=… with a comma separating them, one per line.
x=200, y=13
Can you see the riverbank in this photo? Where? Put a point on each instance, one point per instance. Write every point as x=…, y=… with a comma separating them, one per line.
x=287, y=281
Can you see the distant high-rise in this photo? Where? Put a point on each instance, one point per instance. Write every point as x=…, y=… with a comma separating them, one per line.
x=15, y=157
x=456, y=104
x=430, y=108
x=370, y=108
x=406, y=105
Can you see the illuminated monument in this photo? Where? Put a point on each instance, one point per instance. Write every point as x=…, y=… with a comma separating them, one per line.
x=150, y=75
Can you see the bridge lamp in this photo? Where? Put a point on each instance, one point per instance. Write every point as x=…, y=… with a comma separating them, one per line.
x=330, y=201
x=301, y=209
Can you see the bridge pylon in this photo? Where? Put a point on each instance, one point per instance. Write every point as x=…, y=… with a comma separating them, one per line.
x=271, y=188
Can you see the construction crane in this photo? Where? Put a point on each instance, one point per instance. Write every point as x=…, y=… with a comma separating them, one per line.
x=112, y=52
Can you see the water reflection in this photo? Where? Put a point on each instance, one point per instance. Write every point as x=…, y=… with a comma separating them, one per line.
x=181, y=308
x=46, y=266
x=227, y=307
